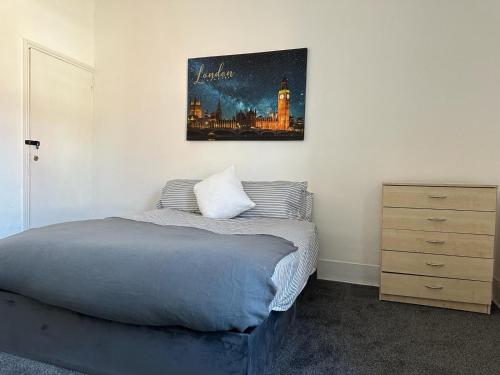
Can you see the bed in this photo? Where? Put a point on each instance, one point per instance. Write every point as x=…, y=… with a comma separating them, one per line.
x=222, y=307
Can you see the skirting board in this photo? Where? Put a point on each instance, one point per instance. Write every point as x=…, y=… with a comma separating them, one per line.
x=347, y=272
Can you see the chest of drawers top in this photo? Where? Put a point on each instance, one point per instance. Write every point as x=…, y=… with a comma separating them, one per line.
x=445, y=197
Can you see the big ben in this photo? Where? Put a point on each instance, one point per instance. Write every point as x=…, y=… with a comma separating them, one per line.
x=284, y=106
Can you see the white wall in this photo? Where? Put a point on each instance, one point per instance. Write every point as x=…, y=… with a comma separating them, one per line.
x=66, y=26
x=397, y=90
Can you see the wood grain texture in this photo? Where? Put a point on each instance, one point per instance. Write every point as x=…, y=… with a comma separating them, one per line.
x=440, y=197
x=437, y=245
x=474, y=222
x=438, y=184
x=436, y=288
x=474, y=307
x=437, y=265
x=469, y=245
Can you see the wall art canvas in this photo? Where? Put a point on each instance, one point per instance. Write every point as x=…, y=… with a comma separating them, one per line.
x=255, y=96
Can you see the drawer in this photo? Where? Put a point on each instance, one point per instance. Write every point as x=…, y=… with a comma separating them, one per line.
x=475, y=222
x=436, y=288
x=452, y=198
x=471, y=245
x=438, y=265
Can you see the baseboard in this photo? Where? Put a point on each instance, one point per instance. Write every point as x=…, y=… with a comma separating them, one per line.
x=348, y=272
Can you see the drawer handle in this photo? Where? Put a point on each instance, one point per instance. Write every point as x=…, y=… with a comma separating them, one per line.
x=435, y=264
x=435, y=242
x=436, y=219
x=434, y=287
x=437, y=196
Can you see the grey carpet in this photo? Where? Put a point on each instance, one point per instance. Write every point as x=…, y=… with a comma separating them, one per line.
x=344, y=329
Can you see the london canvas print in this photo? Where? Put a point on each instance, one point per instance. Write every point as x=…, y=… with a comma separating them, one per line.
x=255, y=96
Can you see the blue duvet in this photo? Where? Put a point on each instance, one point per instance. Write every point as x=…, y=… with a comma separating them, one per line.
x=142, y=273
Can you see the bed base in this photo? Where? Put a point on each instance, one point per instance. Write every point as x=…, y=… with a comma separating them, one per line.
x=94, y=346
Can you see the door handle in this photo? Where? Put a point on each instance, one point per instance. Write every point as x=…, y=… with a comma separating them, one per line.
x=31, y=142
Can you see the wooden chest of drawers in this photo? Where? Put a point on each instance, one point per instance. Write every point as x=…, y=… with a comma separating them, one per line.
x=437, y=245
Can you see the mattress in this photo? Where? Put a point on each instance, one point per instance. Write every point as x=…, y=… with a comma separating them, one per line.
x=291, y=273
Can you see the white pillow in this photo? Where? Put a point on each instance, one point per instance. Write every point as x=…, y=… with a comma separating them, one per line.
x=221, y=196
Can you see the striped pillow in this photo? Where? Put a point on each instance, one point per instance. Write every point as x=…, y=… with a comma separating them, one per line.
x=179, y=194
x=276, y=199
x=307, y=206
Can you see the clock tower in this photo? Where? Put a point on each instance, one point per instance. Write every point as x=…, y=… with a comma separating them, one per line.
x=284, y=106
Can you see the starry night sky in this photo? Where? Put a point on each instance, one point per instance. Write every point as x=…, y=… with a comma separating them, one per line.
x=255, y=82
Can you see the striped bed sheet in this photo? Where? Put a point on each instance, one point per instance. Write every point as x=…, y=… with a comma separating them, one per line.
x=291, y=273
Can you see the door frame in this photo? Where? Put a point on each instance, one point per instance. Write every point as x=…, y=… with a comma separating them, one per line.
x=29, y=45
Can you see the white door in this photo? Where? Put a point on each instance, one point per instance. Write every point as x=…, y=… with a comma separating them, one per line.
x=59, y=172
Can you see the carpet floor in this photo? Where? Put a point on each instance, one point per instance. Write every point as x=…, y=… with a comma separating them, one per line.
x=345, y=329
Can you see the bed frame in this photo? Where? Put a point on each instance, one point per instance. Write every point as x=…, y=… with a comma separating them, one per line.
x=95, y=346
